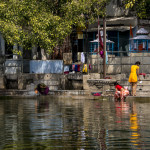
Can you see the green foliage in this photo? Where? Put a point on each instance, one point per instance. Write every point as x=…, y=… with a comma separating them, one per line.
x=17, y=52
x=45, y=22
x=140, y=6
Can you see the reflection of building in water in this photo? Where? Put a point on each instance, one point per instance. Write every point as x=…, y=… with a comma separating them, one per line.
x=95, y=124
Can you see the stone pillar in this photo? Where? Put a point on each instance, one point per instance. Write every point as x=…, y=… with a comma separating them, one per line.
x=21, y=50
x=43, y=54
x=2, y=45
x=19, y=63
x=15, y=47
x=34, y=53
x=21, y=82
x=2, y=82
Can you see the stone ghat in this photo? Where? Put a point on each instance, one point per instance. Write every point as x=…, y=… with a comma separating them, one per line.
x=101, y=81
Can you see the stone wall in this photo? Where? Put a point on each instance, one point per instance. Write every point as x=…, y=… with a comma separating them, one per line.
x=30, y=81
x=118, y=65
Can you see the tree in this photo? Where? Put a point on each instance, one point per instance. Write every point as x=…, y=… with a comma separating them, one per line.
x=45, y=22
x=140, y=6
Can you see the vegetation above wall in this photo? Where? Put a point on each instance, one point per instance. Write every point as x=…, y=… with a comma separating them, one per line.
x=48, y=22
x=140, y=6
x=45, y=22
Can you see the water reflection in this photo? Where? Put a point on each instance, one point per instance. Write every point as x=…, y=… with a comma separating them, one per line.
x=52, y=123
x=135, y=134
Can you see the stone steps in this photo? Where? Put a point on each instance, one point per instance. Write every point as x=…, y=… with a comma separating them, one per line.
x=13, y=92
x=51, y=80
x=53, y=85
x=143, y=89
x=26, y=93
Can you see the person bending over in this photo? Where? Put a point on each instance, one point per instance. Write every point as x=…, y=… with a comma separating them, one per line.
x=133, y=77
x=121, y=92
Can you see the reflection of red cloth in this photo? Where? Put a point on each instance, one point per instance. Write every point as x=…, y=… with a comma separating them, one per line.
x=118, y=87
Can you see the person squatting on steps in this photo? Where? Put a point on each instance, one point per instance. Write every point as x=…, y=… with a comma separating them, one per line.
x=121, y=92
x=42, y=89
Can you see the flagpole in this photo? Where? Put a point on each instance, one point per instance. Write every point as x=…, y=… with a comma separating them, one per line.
x=104, y=47
x=98, y=48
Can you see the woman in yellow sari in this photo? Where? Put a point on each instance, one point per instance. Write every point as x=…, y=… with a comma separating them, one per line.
x=133, y=77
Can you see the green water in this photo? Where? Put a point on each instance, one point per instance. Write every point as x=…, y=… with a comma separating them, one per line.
x=52, y=123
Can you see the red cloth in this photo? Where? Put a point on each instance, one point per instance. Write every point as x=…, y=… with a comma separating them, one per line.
x=66, y=72
x=144, y=74
x=118, y=87
x=97, y=94
x=78, y=67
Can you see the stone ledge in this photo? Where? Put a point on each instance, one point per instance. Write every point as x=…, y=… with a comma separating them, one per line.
x=102, y=81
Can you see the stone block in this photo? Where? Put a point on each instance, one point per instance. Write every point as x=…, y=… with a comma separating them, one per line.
x=48, y=76
x=21, y=83
x=77, y=84
x=85, y=84
x=147, y=76
x=113, y=69
x=126, y=60
x=12, y=76
x=12, y=70
x=51, y=82
x=67, y=58
x=105, y=88
x=30, y=87
x=52, y=87
x=94, y=76
x=2, y=82
x=143, y=87
x=120, y=76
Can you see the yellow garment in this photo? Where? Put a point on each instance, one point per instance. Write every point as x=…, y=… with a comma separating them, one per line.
x=133, y=75
x=85, y=68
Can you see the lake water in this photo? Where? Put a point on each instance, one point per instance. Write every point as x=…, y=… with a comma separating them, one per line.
x=49, y=123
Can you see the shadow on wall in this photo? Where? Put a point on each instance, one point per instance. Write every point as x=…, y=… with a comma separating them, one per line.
x=11, y=84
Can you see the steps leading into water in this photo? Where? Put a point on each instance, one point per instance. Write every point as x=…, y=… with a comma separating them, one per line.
x=143, y=88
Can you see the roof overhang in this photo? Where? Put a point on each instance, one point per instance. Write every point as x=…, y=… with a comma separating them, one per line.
x=114, y=24
x=116, y=28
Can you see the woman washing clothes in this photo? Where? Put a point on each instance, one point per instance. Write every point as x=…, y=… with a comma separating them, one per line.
x=133, y=78
x=121, y=92
x=42, y=89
